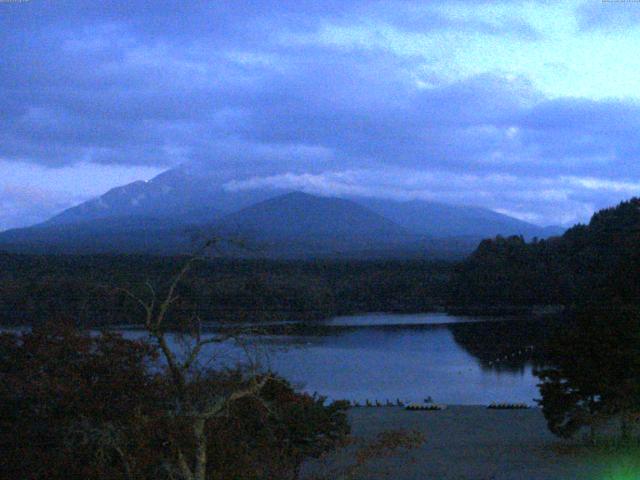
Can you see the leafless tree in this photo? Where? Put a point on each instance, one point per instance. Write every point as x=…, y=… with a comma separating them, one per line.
x=188, y=403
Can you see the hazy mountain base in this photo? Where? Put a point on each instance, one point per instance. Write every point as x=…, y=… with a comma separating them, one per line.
x=150, y=236
x=174, y=212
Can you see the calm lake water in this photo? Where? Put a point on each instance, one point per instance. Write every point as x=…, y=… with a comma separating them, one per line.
x=455, y=360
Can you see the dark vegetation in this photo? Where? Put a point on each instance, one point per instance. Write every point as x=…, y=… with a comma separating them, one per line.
x=588, y=263
x=77, y=406
x=591, y=373
x=89, y=289
x=54, y=381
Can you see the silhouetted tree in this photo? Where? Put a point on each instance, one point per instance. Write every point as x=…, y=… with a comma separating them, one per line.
x=80, y=405
x=595, y=372
x=598, y=261
x=199, y=400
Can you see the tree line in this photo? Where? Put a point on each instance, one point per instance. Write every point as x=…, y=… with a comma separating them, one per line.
x=80, y=405
x=591, y=374
x=89, y=289
x=599, y=261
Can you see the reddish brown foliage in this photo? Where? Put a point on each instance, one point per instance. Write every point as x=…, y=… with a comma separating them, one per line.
x=85, y=406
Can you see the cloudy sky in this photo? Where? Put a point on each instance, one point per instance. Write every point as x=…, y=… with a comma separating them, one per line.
x=531, y=108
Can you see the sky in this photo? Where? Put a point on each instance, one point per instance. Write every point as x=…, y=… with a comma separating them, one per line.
x=530, y=108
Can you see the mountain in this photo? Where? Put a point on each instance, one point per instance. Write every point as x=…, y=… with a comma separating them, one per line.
x=442, y=220
x=168, y=213
x=124, y=234
x=301, y=225
x=300, y=216
x=194, y=198
x=171, y=195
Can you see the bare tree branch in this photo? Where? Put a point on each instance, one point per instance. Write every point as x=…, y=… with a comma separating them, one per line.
x=148, y=307
x=182, y=371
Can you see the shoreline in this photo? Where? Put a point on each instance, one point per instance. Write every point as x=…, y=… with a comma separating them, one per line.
x=481, y=311
x=469, y=442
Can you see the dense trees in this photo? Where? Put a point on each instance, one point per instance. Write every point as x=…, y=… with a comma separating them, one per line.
x=99, y=406
x=509, y=271
x=593, y=362
x=198, y=398
x=600, y=260
x=594, y=370
x=81, y=406
x=87, y=288
x=57, y=384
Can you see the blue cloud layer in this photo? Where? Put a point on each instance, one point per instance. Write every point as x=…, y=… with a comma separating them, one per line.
x=247, y=89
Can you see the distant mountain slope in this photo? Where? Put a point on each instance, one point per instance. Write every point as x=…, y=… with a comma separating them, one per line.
x=174, y=194
x=442, y=220
x=171, y=194
x=301, y=225
x=130, y=234
x=178, y=194
x=302, y=216
x=164, y=214
x=292, y=226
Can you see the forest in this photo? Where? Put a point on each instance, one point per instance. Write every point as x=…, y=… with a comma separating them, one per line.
x=92, y=290
x=588, y=263
x=591, y=369
x=593, y=263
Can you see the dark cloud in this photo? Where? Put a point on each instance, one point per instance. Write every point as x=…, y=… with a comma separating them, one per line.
x=246, y=89
x=123, y=82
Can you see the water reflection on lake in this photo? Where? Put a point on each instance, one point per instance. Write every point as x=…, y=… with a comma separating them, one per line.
x=452, y=359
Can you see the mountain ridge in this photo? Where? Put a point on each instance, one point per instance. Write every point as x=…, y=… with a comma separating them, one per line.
x=165, y=214
x=439, y=219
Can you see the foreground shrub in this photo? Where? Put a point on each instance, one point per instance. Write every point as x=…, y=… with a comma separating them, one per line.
x=76, y=405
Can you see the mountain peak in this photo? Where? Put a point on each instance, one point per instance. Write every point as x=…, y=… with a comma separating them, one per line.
x=180, y=204
x=301, y=215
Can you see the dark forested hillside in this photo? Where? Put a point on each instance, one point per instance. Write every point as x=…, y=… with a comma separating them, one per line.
x=588, y=263
x=90, y=289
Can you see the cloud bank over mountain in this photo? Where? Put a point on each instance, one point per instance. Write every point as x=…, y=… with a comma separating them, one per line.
x=488, y=103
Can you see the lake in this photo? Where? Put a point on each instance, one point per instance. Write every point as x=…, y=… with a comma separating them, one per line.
x=455, y=360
